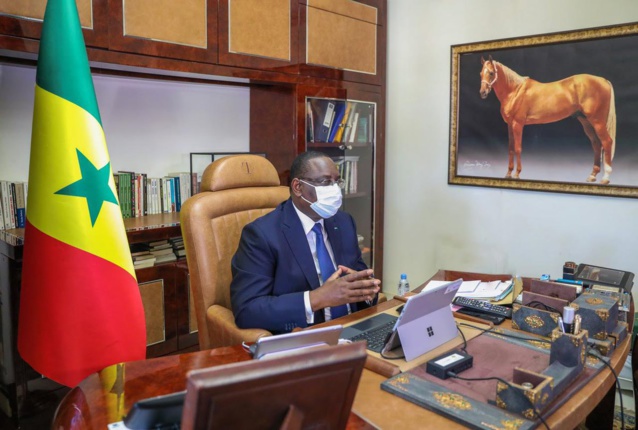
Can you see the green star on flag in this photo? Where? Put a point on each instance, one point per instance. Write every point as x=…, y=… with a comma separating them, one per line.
x=94, y=186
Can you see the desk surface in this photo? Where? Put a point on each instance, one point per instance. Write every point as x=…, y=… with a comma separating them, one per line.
x=105, y=397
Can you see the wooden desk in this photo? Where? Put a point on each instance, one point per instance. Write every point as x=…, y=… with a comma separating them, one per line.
x=105, y=397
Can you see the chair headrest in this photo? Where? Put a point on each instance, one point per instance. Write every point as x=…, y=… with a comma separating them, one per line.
x=239, y=171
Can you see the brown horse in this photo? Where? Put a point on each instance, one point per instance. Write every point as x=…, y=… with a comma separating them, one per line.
x=525, y=101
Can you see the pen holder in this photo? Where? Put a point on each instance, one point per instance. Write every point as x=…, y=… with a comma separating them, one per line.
x=534, y=320
x=530, y=390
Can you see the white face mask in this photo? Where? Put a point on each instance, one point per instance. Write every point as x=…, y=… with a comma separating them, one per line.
x=328, y=200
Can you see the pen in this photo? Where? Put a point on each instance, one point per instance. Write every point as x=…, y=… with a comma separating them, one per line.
x=560, y=324
x=568, y=281
x=577, y=322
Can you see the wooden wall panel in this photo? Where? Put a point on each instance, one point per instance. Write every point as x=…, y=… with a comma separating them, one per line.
x=182, y=22
x=260, y=27
x=347, y=42
x=152, y=293
x=34, y=9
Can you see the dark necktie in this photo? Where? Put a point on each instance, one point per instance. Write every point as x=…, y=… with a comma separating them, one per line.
x=327, y=268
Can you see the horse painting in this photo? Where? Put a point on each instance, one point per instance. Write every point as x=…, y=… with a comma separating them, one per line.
x=588, y=98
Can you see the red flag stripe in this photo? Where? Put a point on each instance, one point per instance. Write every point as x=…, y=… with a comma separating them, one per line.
x=68, y=309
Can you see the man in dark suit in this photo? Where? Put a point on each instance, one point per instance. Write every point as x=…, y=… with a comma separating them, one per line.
x=278, y=282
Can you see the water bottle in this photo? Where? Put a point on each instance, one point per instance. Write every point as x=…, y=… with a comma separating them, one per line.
x=404, y=285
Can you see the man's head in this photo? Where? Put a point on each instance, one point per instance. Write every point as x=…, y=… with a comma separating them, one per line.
x=310, y=171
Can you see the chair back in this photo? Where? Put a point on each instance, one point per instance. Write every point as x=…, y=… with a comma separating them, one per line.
x=235, y=190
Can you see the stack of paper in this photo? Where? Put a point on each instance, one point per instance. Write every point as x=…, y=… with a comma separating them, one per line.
x=491, y=291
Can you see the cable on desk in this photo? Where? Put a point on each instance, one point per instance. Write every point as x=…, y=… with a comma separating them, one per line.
x=464, y=339
x=496, y=378
x=618, y=388
x=538, y=305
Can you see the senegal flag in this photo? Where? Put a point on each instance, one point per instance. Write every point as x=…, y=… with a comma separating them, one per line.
x=80, y=305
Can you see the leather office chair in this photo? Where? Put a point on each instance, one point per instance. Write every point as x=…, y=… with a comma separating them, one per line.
x=235, y=190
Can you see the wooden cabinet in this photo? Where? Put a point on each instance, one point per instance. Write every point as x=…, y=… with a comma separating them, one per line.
x=343, y=40
x=23, y=19
x=185, y=30
x=260, y=34
x=345, y=128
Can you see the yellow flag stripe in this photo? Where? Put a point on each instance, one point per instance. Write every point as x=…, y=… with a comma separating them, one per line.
x=60, y=128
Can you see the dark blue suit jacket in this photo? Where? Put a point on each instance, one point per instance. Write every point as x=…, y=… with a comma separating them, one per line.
x=273, y=266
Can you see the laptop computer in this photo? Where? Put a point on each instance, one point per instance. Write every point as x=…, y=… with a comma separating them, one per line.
x=425, y=323
x=288, y=343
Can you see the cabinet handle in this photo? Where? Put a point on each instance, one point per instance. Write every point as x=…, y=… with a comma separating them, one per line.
x=349, y=146
x=342, y=147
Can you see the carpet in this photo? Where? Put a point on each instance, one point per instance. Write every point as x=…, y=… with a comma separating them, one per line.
x=630, y=419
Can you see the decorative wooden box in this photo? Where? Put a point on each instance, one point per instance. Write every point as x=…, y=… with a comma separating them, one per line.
x=533, y=320
x=599, y=313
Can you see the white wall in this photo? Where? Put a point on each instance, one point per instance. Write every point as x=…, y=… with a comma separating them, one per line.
x=151, y=126
x=431, y=225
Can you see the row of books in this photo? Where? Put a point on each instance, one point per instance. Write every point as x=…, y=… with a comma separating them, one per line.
x=161, y=251
x=338, y=121
x=348, y=169
x=13, y=204
x=140, y=195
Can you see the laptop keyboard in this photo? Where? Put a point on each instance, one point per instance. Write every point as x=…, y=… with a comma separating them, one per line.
x=376, y=337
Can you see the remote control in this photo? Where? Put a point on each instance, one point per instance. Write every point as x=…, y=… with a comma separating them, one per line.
x=483, y=306
x=496, y=320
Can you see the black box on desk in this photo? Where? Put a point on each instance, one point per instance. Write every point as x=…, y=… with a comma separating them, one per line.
x=599, y=313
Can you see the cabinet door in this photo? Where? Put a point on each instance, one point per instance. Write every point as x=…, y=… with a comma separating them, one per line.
x=23, y=19
x=345, y=129
x=186, y=319
x=158, y=290
x=185, y=29
x=260, y=34
x=343, y=39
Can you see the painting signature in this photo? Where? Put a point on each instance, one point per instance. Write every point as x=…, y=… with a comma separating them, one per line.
x=476, y=164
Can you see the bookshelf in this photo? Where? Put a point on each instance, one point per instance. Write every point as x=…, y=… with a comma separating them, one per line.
x=344, y=129
x=315, y=50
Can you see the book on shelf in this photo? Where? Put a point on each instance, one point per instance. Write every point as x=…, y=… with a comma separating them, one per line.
x=165, y=258
x=348, y=170
x=340, y=110
x=158, y=242
x=310, y=124
x=141, y=264
x=362, y=130
x=185, y=186
x=20, y=204
x=323, y=127
x=7, y=204
x=349, y=123
x=158, y=252
x=354, y=128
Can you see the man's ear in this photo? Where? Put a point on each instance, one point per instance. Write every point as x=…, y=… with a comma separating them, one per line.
x=295, y=186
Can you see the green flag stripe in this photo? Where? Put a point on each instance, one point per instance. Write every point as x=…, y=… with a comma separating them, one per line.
x=63, y=67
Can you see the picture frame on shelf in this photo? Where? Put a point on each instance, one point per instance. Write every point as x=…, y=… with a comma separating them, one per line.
x=200, y=160
x=522, y=111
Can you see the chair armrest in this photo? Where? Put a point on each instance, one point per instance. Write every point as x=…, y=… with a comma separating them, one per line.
x=223, y=330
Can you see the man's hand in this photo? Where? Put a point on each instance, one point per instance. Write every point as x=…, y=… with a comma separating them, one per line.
x=345, y=286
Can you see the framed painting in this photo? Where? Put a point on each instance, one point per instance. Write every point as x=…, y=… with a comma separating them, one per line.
x=555, y=112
